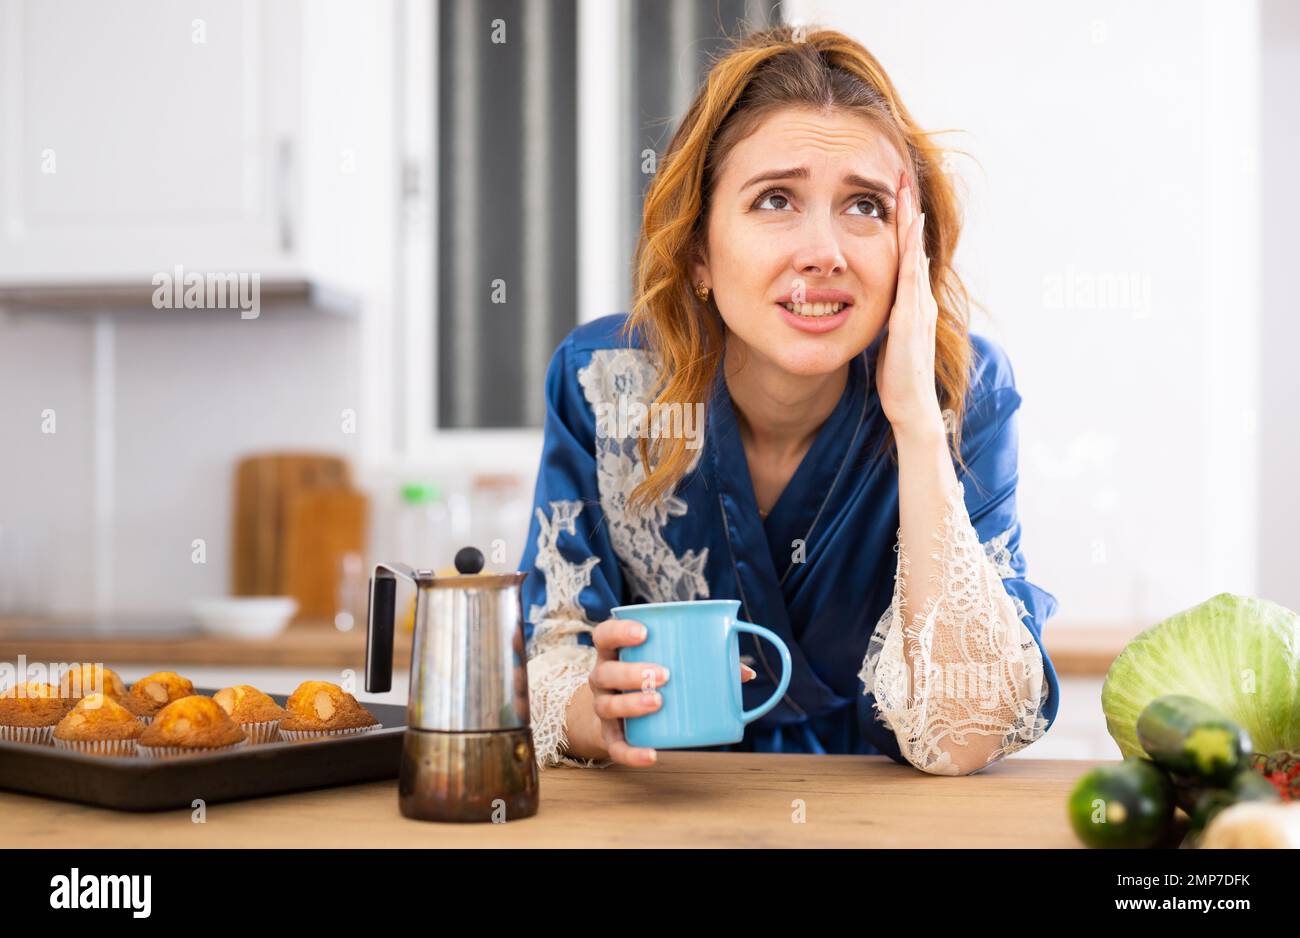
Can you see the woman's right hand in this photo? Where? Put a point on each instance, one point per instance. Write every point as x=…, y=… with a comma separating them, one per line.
x=610, y=678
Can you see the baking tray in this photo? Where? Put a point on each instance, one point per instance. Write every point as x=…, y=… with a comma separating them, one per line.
x=134, y=783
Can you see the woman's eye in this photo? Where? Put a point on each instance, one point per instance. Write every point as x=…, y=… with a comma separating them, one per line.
x=780, y=202
x=877, y=210
x=773, y=194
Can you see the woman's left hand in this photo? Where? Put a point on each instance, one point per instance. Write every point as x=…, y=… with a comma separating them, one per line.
x=905, y=366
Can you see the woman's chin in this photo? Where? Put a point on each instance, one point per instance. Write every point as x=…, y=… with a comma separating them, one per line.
x=809, y=357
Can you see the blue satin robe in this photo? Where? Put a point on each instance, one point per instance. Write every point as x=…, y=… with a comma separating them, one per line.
x=842, y=500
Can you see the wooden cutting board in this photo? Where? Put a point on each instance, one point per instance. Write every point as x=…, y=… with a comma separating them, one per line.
x=264, y=485
x=321, y=526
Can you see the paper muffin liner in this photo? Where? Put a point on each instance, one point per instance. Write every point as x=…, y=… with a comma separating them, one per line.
x=267, y=731
x=36, y=735
x=172, y=752
x=97, y=747
x=294, y=736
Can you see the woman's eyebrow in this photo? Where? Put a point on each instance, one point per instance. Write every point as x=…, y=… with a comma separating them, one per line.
x=871, y=185
x=801, y=172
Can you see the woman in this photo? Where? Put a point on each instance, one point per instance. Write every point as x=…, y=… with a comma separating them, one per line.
x=794, y=279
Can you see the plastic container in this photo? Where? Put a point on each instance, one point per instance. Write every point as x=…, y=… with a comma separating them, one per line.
x=423, y=525
x=500, y=507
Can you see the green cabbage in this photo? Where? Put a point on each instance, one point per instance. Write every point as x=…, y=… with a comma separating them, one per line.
x=1236, y=653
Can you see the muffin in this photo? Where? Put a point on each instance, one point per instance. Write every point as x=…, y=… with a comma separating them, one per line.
x=82, y=679
x=98, y=725
x=319, y=709
x=257, y=714
x=193, y=725
x=28, y=712
x=150, y=694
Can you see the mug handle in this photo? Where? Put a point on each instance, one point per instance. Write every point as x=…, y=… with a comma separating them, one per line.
x=749, y=716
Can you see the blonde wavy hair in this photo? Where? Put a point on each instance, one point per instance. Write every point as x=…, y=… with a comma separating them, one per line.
x=773, y=68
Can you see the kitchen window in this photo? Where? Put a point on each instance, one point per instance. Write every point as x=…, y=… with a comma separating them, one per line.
x=532, y=126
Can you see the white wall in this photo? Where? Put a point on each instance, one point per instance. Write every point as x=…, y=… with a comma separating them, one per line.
x=45, y=478
x=192, y=395
x=1279, y=429
x=1116, y=142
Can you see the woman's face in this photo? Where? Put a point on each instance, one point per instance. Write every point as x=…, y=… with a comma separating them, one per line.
x=805, y=204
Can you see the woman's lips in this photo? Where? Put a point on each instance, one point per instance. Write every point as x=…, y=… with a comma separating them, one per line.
x=815, y=324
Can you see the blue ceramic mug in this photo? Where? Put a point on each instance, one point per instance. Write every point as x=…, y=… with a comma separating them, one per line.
x=699, y=643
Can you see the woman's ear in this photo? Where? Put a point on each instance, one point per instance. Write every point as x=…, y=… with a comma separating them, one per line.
x=700, y=271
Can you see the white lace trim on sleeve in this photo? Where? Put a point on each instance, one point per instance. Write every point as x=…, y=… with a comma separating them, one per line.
x=554, y=676
x=621, y=381
x=616, y=381
x=558, y=663
x=978, y=669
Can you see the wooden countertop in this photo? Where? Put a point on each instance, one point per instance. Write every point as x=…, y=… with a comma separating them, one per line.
x=1076, y=651
x=689, y=799
x=1085, y=651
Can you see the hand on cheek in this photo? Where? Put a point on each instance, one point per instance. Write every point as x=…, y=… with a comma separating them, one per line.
x=905, y=373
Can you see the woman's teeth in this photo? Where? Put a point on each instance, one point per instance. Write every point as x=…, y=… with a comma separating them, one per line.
x=814, y=309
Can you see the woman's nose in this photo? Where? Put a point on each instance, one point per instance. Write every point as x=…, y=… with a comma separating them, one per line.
x=820, y=251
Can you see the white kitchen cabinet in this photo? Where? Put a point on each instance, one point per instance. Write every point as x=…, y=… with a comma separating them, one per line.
x=138, y=136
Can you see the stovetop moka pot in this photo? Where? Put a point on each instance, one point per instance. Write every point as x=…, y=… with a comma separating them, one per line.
x=468, y=752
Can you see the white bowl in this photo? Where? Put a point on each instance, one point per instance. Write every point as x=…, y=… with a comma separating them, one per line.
x=245, y=616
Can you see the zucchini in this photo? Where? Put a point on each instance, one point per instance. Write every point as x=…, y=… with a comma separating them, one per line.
x=1127, y=805
x=1246, y=785
x=1189, y=738
x=1186, y=791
